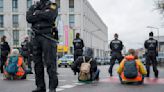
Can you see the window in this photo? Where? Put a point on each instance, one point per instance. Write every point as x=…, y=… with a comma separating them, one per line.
x=1, y=33
x=15, y=5
x=29, y=3
x=71, y=5
x=1, y=21
x=15, y=21
x=71, y=20
x=58, y=4
x=16, y=37
x=1, y=5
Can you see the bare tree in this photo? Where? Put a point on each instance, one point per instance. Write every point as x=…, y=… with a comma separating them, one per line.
x=160, y=5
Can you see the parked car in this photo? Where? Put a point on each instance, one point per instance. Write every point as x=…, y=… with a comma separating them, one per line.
x=65, y=61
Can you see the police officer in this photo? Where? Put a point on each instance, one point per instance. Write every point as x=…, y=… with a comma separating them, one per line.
x=116, y=47
x=42, y=15
x=5, y=50
x=151, y=46
x=26, y=52
x=78, y=46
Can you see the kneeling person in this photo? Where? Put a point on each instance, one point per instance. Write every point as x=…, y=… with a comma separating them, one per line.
x=131, y=69
x=15, y=66
x=86, y=67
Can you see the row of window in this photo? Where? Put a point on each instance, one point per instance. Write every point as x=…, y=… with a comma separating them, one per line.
x=15, y=36
x=14, y=5
x=14, y=18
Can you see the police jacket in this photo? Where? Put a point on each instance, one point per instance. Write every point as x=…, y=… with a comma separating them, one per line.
x=151, y=44
x=5, y=48
x=78, y=43
x=116, y=45
x=76, y=65
x=42, y=16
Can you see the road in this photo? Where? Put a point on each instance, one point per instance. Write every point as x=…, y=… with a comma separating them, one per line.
x=68, y=83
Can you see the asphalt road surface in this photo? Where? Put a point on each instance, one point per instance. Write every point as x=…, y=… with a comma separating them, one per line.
x=69, y=83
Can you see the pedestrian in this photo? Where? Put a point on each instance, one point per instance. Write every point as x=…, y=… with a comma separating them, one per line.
x=131, y=69
x=42, y=16
x=151, y=46
x=86, y=66
x=78, y=47
x=5, y=50
x=26, y=53
x=116, y=47
x=15, y=67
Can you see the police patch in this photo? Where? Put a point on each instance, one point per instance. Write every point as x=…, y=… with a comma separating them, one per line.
x=53, y=7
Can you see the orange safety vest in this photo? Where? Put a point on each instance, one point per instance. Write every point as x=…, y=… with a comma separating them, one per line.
x=138, y=78
x=20, y=72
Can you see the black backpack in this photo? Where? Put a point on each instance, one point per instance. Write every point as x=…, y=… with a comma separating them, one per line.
x=130, y=69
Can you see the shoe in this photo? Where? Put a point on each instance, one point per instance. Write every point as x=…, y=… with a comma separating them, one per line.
x=147, y=76
x=52, y=90
x=111, y=74
x=40, y=90
x=156, y=74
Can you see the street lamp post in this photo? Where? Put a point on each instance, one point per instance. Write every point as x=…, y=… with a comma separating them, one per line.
x=151, y=27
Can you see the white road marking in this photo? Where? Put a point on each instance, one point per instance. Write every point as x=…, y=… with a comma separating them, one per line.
x=67, y=86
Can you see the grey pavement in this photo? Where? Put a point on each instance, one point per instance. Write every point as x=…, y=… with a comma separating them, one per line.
x=68, y=83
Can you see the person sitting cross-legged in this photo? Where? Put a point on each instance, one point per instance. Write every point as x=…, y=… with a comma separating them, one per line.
x=86, y=67
x=131, y=69
x=15, y=67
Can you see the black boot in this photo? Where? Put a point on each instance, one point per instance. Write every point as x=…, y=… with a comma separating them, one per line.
x=39, y=90
x=52, y=90
x=156, y=74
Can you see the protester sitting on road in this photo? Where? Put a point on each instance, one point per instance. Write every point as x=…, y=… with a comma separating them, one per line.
x=86, y=66
x=131, y=69
x=15, y=67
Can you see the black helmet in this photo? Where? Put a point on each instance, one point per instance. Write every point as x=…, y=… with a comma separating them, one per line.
x=88, y=52
x=151, y=34
x=115, y=35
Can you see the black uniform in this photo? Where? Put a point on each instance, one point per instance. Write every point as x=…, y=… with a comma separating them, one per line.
x=42, y=17
x=26, y=51
x=116, y=47
x=78, y=47
x=151, y=46
x=5, y=50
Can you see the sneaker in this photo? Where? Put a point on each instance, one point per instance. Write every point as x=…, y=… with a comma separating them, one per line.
x=39, y=90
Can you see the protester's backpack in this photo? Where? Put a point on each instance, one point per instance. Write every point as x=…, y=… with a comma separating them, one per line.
x=84, y=74
x=130, y=69
x=12, y=67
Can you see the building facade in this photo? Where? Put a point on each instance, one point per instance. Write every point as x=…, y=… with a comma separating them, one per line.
x=75, y=16
x=13, y=20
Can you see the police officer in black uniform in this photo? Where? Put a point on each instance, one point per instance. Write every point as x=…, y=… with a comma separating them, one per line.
x=78, y=46
x=25, y=52
x=5, y=50
x=42, y=15
x=151, y=46
x=116, y=47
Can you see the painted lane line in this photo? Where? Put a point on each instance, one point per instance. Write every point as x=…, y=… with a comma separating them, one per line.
x=67, y=86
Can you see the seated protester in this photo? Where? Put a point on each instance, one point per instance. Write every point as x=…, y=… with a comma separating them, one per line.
x=131, y=69
x=15, y=66
x=86, y=67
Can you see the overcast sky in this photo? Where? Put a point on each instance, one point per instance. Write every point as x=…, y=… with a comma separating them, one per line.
x=129, y=18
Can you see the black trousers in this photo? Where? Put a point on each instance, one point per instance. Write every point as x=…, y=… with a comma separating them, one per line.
x=44, y=52
x=114, y=56
x=77, y=53
x=3, y=61
x=151, y=60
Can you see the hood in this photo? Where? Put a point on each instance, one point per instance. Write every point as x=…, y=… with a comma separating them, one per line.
x=88, y=52
x=130, y=57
